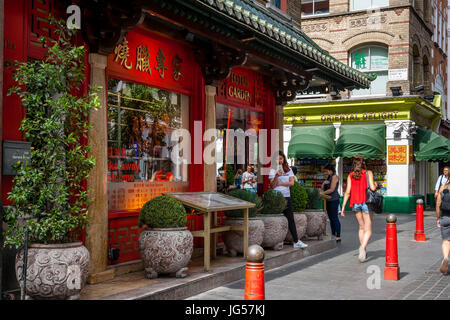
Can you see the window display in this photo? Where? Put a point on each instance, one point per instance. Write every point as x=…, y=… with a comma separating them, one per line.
x=310, y=172
x=141, y=120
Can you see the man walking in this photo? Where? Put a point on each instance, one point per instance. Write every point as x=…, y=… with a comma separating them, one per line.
x=442, y=180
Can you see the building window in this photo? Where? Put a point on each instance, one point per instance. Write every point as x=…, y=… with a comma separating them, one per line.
x=141, y=124
x=313, y=7
x=279, y=4
x=373, y=59
x=368, y=4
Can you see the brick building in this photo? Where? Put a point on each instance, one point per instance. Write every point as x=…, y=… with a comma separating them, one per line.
x=404, y=43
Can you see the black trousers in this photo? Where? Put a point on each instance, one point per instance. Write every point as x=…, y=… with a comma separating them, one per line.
x=333, y=215
x=289, y=214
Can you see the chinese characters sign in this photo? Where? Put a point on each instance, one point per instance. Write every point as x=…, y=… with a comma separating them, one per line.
x=150, y=58
x=397, y=155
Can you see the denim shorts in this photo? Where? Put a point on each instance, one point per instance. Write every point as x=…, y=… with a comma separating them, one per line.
x=361, y=207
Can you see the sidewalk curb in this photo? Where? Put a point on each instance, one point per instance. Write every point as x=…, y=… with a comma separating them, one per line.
x=219, y=276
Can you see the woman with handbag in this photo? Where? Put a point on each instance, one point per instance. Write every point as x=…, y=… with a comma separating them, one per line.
x=330, y=187
x=443, y=222
x=357, y=184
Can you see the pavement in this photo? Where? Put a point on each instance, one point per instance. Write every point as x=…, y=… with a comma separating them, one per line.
x=338, y=275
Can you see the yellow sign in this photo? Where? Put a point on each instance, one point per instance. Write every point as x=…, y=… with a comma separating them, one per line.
x=397, y=155
x=345, y=117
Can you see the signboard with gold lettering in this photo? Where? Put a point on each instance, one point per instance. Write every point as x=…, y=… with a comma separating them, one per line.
x=151, y=59
x=244, y=88
x=411, y=154
x=397, y=154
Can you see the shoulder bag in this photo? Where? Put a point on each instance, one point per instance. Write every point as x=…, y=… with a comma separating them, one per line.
x=374, y=200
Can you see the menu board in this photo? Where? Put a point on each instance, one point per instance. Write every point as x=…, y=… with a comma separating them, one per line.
x=211, y=201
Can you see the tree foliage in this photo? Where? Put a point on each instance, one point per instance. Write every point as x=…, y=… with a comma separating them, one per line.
x=48, y=196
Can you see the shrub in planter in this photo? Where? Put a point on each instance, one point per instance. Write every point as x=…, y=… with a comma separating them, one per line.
x=299, y=199
x=166, y=245
x=234, y=239
x=275, y=224
x=313, y=198
x=48, y=198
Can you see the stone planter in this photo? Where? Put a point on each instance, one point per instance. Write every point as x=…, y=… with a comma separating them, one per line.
x=275, y=230
x=166, y=251
x=234, y=239
x=301, y=225
x=316, y=223
x=54, y=271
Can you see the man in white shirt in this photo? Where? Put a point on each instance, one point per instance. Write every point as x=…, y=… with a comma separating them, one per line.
x=248, y=178
x=442, y=180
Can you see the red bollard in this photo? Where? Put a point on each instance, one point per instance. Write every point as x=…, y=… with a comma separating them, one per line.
x=254, y=274
x=391, y=269
x=420, y=234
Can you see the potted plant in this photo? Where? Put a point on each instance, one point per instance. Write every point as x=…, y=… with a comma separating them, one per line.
x=316, y=218
x=275, y=223
x=166, y=245
x=234, y=239
x=299, y=199
x=48, y=198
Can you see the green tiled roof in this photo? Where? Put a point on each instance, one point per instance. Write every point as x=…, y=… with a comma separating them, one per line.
x=261, y=20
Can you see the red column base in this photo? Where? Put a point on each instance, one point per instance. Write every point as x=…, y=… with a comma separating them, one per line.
x=254, y=281
x=419, y=236
x=392, y=273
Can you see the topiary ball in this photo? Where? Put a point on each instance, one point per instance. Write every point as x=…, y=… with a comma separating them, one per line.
x=163, y=212
x=299, y=197
x=246, y=196
x=273, y=202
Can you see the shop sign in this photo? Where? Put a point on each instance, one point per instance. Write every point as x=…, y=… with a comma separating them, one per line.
x=238, y=87
x=344, y=117
x=397, y=154
x=150, y=58
x=398, y=74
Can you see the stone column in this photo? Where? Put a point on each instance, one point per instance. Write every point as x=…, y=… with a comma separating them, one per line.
x=399, y=176
x=280, y=126
x=97, y=232
x=210, y=170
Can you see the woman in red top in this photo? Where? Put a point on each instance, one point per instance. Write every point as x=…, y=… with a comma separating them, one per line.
x=356, y=191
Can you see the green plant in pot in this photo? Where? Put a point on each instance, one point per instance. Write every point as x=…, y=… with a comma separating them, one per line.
x=316, y=219
x=166, y=245
x=275, y=224
x=313, y=198
x=48, y=198
x=234, y=240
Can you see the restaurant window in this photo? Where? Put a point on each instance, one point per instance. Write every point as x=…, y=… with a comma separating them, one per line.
x=240, y=120
x=371, y=59
x=313, y=7
x=141, y=121
x=368, y=4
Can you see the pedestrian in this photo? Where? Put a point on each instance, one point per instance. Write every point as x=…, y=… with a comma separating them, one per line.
x=238, y=178
x=330, y=187
x=248, y=178
x=443, y=222
x=356, y=191
x=281, y=181
x=443, y=179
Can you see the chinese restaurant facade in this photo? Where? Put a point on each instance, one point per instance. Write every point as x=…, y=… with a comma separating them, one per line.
x=395, y=135
x=163, y=66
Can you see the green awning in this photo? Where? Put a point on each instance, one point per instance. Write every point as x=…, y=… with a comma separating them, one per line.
x=367, y=141
x=430, y=146
x=312, y=142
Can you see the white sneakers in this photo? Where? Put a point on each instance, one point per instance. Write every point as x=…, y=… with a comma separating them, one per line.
x=300, y=244
x=444, y=265
x=362, y=254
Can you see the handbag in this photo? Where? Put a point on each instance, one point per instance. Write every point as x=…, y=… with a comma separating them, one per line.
x=374, y=200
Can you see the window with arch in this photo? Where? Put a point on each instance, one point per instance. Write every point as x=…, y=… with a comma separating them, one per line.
x=371, y=59
x=367, y=4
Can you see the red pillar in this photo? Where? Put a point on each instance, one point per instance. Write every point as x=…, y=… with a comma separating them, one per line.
x=392, y=269
x=420, y=234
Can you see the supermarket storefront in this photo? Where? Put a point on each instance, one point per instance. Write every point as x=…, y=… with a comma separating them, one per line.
x=395, y=135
